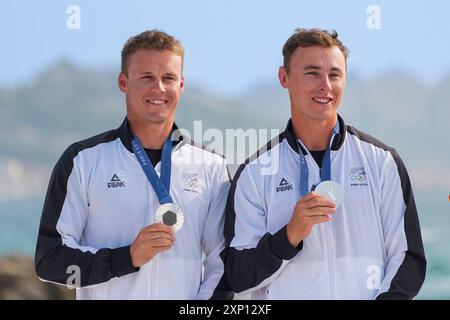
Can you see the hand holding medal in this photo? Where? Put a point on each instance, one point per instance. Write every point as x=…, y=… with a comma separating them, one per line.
x=331, y=190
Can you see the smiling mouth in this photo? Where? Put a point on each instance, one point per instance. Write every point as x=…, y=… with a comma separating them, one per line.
x=156, y=101
x=322, y=100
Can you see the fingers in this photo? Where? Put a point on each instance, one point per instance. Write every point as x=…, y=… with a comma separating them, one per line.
x=318, y=219
x=320, y=202
x=161, y=227
x=143, y=251
x=313, y=199
x=319, y=211
x=156, y=239
x=160, y=249
x=156, y=235
x=150, y=235
x=159, y=242
x=308, y=196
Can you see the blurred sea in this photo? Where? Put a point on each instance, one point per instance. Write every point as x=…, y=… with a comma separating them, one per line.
x=20, y=221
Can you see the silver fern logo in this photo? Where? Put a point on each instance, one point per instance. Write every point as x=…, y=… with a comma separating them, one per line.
x=191, y=182
x=357, y=176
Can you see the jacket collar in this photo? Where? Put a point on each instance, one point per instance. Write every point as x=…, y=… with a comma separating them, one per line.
x=125, y=134
x=337, y=143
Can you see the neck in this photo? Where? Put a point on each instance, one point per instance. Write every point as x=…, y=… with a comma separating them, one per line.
x=315, y=135
x=151, y=135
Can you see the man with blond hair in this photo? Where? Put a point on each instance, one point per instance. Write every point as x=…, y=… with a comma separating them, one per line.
x=128, y=214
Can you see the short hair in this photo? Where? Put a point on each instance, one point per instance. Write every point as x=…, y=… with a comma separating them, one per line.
x=309, y=38
x=151, y=39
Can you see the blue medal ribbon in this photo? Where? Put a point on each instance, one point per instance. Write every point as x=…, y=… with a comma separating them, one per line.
x=160, y=185
x=325, y=172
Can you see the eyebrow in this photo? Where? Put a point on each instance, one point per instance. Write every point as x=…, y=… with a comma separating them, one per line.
x=167, y=74
x=314, y=67
x=311, y=67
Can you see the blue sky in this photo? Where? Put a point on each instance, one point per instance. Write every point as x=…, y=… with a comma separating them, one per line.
x=230, y=45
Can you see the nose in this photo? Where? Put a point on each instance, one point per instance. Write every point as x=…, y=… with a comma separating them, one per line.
x=325, y=83
x=158, y=86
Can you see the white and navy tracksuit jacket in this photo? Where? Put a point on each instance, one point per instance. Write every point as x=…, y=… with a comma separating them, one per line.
x=99, y=199
x=372, y=248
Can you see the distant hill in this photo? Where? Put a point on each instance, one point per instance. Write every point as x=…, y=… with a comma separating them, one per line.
x=67, y=103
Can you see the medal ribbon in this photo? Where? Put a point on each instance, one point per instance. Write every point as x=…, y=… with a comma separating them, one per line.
x=325, y=172
x=160, y=185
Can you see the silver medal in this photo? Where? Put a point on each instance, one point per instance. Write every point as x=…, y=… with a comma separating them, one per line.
x=171, y=215
x=331, y=190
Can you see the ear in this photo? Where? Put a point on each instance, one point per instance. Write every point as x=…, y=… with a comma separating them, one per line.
x=283, y=77
x=122, y=82
x=182, y=84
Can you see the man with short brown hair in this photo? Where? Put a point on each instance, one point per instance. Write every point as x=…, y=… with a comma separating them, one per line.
x=336, y=219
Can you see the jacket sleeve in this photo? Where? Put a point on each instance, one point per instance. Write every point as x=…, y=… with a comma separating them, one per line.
x=253, y=257
x=212, y=238
x=405, y=263
x=59, y=253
